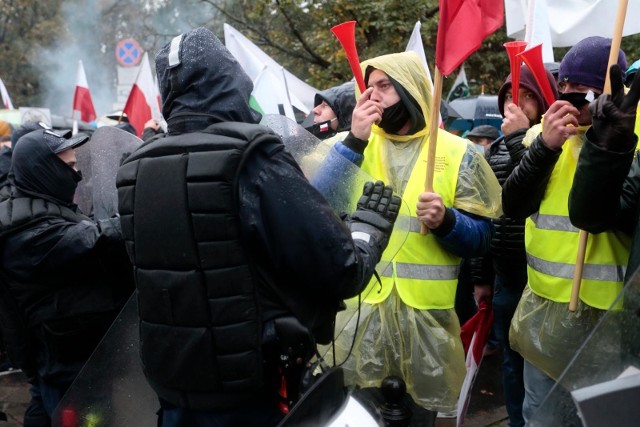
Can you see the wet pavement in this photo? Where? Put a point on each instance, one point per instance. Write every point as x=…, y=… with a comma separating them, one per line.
x=486, y=407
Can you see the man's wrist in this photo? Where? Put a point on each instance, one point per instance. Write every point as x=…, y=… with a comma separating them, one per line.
x=354, y=143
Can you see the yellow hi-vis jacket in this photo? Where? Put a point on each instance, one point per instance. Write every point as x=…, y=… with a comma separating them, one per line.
x=424, y=273
x=551, y=243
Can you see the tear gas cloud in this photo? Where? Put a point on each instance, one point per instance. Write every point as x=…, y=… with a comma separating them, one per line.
x=92, y=39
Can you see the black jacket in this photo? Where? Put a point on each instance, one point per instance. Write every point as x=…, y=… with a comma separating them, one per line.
x=507, y=246
x=506, y=255
x=524, y=190
x=225, y=234
x=606, y=194
x=297, y=257
x=68, y=279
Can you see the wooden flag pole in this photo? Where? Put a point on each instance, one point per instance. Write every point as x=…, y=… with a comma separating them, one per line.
x=433, y=135
x=584, y=236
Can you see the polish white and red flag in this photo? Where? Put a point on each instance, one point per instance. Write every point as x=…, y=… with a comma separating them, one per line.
x=475, y=335
x=6, y=101
x=82, y=102
x=143, y=102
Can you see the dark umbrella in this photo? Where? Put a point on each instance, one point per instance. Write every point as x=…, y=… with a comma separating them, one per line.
x=477, y=107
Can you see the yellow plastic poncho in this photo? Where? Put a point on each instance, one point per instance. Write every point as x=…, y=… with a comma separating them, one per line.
x=421, y=346
x=544, y=331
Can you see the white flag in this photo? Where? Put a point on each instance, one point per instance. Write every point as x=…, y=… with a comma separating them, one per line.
x=6, y=100
x=538, y=31
x=573, y=20
x=415, y=45
x=274, y=88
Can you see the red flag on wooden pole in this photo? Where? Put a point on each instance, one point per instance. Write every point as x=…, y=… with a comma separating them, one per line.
x=463, y=25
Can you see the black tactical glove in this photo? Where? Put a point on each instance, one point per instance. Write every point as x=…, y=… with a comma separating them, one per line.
x=614, y=115
x=375, y=215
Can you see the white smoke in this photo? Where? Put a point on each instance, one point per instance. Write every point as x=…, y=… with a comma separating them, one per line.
x=93, y=29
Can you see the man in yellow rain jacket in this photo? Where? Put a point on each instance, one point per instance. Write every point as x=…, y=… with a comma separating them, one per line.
x=543, y=330
x=408, y=323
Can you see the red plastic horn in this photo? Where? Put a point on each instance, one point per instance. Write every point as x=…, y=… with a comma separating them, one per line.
x=513, y=49
x=346, y=34
x=533, y=58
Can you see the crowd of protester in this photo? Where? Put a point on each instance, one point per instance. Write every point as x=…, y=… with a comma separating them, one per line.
x=239, y=260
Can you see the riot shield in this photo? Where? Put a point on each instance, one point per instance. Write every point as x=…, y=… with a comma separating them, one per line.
x=111, y=389
x=599, y=385
x=99, y=161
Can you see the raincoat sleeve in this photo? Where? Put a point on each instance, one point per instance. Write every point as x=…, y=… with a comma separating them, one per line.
x=605, y=190
x=523, y=191
x=477, y=190
x=331, y=176
x=467, y=229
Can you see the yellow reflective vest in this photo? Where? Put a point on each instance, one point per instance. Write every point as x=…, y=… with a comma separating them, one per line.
x=551, y=243
x=424, y=274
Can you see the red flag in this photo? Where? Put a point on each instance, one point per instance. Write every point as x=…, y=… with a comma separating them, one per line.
x=474, y=334
x=463, y=25
x=82, y=97
x=143, y=102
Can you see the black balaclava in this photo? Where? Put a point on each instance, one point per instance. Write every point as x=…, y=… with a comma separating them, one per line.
x=39, y=172
x=395, y=116
x=201, y=81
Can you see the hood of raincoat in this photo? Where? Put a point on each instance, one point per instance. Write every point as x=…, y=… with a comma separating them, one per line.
x=342, y=100
x=406, y=69
x=198, y=75
x=528, y=81
x=38, y=171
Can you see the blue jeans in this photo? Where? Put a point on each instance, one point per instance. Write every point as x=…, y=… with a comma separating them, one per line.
x=505, y=301
x=36, y=414
x=537, y=386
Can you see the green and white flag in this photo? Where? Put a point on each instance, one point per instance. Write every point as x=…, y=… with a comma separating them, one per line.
x=460, y=86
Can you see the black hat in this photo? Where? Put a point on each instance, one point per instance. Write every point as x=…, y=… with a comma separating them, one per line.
x=58, y=142
x=25, y=129
x=484, y=131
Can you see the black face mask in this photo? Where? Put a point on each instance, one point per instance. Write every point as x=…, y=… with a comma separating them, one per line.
x=394, y=118
x=322, y=130
x=66, y=185
x=577, y=99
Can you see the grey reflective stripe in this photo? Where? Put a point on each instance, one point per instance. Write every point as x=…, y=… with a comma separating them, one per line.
x=174, y=51
x=425, y=272
x=609, y=273
x=408, y=223
x=553, y=222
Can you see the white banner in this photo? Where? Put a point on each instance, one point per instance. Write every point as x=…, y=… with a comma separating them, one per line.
x=274, y=87
x=570, y=21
